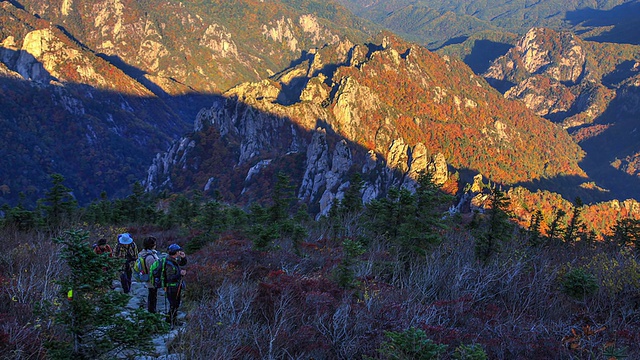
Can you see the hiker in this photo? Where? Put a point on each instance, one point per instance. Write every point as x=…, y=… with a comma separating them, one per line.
x=173, y=282
x=150, y=255
x=127, y=250
x=103, y=248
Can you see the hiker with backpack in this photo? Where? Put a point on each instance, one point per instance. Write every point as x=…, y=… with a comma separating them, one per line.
x=168, y=275
x=147, y=257
x=101, y=247
x=127, y=250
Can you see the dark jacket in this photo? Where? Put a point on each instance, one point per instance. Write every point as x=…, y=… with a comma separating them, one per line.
x=172, y=271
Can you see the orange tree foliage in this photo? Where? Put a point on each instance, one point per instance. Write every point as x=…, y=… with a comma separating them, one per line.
x=441, y=103
x=599, y=217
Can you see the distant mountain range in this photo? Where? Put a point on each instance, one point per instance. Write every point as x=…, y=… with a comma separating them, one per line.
x=435, y=23
x=98, y=91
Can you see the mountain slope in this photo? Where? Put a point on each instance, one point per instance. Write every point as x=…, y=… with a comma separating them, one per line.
x=93, y=89
x=65, y=110
x=379, y=109
x=588, y=87
x=207, y=46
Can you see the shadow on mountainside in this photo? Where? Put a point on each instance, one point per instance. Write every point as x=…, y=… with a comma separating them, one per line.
x=16, y=4
x=484, y=52
x=623, y=71
x=98, y=140
x=619, y=140
x=106, y=141
x=26, y=65
x=623, y=22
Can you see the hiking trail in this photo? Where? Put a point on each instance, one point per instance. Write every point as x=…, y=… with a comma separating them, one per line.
x=161, y=343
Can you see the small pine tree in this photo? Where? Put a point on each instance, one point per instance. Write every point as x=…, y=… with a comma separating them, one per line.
x=352, y=201
x=575, y=222
x=498, y=230
x=345, y=276
x=626, y=232
x=555, y=228
x=94, y=316
x=58, y=205
x=535, y=238
x=282, y=198
x=410, y=344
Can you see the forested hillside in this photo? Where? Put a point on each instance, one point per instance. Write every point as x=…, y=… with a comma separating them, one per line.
x=205, y=46
x=390, y=106
x=366, y=281
x=435, y=23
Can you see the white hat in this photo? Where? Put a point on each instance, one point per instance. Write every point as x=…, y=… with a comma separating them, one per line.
x=125, y=239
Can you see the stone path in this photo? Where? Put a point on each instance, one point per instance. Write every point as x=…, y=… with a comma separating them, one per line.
x=139, y=294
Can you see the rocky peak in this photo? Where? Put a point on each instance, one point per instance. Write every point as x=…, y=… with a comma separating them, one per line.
x=557, y=55
x=548, y=71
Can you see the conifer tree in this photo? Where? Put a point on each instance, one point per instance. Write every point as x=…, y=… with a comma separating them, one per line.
x=346, y=213
x=626, y=232
x=498, y=230
x=58, y=204
x=534, y=229
x=275, y=222
x=352, y=201
x=429, y=215
x=93, y=316
x=575, y=222
x=281, y=197
x=555, y=228
x=412, y=221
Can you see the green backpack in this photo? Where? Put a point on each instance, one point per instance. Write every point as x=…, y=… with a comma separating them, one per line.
x=157, y=272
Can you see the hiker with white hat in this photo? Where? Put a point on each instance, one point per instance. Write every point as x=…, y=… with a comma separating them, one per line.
x=127, y=250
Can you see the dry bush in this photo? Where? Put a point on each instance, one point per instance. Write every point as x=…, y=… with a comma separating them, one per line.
x=217, y=328
x=28, y=268
x=277, y=305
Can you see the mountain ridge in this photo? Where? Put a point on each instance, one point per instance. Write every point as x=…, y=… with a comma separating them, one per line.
x=382, y=118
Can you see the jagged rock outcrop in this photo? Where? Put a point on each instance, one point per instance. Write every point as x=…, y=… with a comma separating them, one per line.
x=328, y=161
x=587, y=87
x=557, y=55
x=47, y=54
x=550, y=72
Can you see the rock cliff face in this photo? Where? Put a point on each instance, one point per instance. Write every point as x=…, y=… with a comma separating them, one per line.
x=560, y=76
x=548, y=71
x=261, y=137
